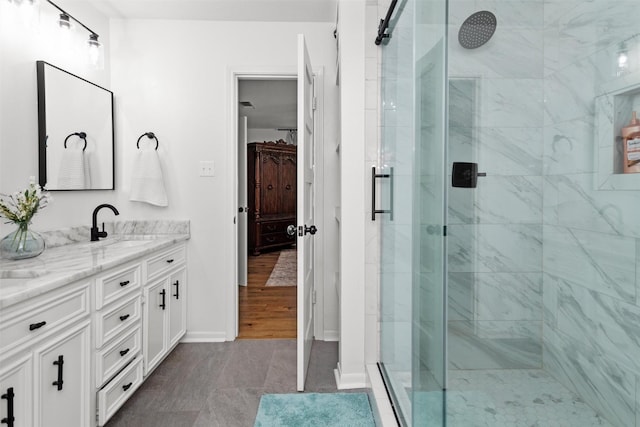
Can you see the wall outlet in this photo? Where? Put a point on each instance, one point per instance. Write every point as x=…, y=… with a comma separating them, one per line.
x=207, y=168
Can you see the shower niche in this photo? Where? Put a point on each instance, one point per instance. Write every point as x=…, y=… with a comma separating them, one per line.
x=613, y=111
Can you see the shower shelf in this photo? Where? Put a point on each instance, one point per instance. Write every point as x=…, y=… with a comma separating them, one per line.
x=617, y=100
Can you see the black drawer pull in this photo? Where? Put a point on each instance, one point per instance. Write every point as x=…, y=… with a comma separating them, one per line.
x=9, y=395
x=123, y=352
x=59, y=363
x=127, y=386
x=125, y=283
x=163, y=304
x=177, y=285
x=125, y=317
x=169, y=261
x=270, y=239
x=34, y=326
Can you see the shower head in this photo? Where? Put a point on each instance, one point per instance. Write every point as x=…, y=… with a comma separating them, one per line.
x=477, y=29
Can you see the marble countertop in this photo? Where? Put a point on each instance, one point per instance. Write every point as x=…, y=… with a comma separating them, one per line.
x=61, y=265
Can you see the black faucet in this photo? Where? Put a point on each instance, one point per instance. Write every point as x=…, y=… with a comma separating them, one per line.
x=95, y=234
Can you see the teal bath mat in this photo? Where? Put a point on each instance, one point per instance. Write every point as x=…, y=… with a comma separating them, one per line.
x=315, y=409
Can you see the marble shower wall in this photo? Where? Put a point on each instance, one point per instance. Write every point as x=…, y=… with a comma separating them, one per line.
x=495, y=230
x=591, y=238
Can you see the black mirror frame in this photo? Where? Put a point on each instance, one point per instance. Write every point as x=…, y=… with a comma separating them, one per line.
x=42, y=128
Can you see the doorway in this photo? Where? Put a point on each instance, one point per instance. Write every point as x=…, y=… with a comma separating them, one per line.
x=267, y=171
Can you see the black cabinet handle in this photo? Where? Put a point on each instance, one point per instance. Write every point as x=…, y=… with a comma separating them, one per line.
x=34, y=326
x=127, y=386
x=9, y=419
x=169, y=261
x=123, y=352
x=163, y=304
x=125, y=283
x=177, y=285
x=59, y=363
x=125, y=317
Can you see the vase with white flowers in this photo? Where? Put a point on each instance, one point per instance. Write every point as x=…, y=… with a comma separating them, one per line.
x=19, y=208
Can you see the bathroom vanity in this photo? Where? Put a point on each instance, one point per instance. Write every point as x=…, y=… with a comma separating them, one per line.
x=84, y=324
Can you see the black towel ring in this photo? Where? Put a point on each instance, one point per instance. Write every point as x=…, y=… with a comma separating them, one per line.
x=80, y=135
x=149, y=135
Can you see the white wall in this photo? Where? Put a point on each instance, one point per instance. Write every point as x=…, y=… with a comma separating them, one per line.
x=260, y=135
x=20, y=47
x=172, y=78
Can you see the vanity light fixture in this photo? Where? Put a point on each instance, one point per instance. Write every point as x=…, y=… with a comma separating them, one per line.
x=94, y=47
x=623, y=58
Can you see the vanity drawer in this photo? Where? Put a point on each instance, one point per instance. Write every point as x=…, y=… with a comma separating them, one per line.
x=113, y=357
x=114, y=394
x=113, y=285
x=164, y=261
x=114, y=319
x=35, y=318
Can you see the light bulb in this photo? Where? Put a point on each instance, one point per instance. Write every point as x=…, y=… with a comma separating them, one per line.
x=623, y=59
x=64, y=22
x=95, y=52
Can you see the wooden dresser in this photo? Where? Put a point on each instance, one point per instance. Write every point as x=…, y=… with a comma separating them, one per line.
x=271, y=193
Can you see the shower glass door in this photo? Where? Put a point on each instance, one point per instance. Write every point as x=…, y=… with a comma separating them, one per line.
x=413, y=279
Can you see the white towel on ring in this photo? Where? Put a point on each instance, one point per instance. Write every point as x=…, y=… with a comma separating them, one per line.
x=71, y=175
x=147, y=182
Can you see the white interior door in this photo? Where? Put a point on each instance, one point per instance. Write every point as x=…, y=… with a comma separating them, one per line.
x=306, y=227
x=242, y=201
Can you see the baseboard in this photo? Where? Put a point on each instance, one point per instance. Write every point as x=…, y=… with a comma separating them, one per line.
x=347, y=381
x=331, y=336
x=193, y=337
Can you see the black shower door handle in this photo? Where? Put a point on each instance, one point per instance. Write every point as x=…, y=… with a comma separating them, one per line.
x=375, y=176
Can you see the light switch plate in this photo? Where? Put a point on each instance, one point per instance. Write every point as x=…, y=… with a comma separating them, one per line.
x=207, y=168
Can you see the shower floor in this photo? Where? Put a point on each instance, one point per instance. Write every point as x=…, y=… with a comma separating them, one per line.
x=517, y=397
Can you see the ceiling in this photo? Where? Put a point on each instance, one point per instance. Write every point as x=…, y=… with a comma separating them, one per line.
x=219, y=10
x=274, y=103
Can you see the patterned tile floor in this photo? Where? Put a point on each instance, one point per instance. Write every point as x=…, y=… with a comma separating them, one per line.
x=514, y=398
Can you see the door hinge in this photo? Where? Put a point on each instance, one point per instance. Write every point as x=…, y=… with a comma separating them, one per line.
x=444, y=231
x=314, y=103
x=313, y=296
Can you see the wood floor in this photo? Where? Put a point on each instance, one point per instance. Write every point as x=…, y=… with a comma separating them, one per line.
x=266, y=312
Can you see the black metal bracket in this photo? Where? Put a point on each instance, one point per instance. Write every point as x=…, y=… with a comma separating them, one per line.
x=149, y=135
x=384, y=24
x=375, y=176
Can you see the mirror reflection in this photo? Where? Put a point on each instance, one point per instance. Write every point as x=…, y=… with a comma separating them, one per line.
x=75, y=119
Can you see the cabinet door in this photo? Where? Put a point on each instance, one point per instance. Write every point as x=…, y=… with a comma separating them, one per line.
x=288, y=180
x=61, y=397
x=154, y=324
x=15, y=390
x=269, y=191
x=177, y=312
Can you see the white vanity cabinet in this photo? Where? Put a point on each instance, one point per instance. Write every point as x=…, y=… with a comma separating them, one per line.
x=45, y=359
x=164, y=296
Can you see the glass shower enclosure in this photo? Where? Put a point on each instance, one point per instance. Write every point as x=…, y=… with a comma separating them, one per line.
x=510, y=261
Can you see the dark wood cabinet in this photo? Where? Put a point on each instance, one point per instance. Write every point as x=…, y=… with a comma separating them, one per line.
x=272, y=192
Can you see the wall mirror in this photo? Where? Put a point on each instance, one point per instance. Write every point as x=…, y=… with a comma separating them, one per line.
x=75, y=131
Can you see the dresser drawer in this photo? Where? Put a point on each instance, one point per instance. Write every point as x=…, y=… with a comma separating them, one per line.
x=161, y=263
x=275, y=239
x=113, y=357
x=277, y=226
x=35, y=318
x=115, y=318
x=114, y=394
x=116, y=283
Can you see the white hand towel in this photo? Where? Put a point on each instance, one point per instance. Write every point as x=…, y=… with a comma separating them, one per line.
x=71, y=175
x=147, y=183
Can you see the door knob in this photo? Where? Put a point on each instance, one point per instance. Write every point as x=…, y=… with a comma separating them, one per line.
x=312, y=230
x=291, y=230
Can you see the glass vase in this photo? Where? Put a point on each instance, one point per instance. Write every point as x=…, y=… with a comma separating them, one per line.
x=21, y=243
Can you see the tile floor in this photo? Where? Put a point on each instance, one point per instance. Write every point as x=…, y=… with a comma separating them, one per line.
x=220, y=384
x=511, y=398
